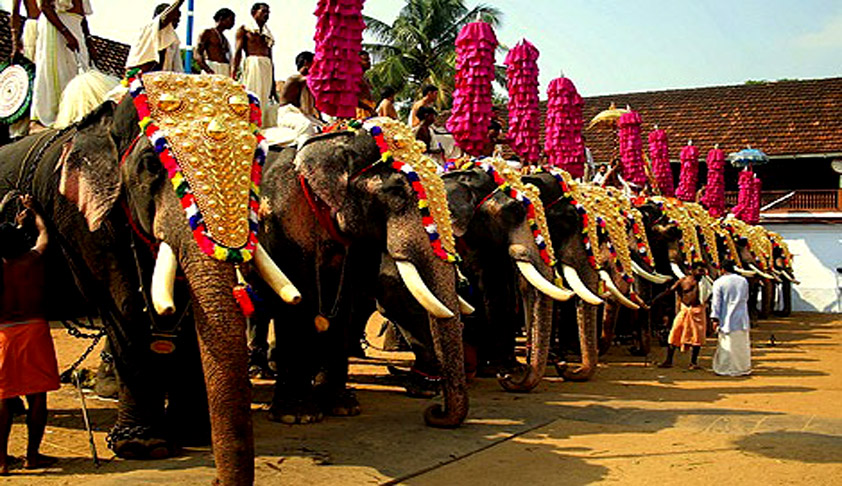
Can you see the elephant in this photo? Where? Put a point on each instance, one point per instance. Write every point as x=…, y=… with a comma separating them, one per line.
x=497, y=248
x=106, y=194
x=332, y=207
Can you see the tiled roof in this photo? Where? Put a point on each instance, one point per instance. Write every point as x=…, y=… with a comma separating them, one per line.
x=111, y=55
x=780, y=118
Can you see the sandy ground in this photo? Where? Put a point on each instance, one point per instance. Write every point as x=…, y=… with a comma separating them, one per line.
x=633, y=424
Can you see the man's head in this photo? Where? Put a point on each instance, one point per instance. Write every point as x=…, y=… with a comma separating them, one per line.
x=603, y=168
x=388, y=93
x=260, y=12
x=365, y=60
x=429, y=93
x=698, y=270
x=427, y=115
x=494, y=130
x=224, y=18
x=729, y=266
x=13, y=241
x=304, y=61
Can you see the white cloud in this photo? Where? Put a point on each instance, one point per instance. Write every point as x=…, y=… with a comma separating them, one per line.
x=829, y=36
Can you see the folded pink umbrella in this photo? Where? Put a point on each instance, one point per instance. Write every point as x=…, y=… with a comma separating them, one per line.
x=631, y=148
x=336, y=73
x=659, y=152
x=564, y=144
x=472, y=106
x=688, y=180
x=524, y=116
x=714, y=197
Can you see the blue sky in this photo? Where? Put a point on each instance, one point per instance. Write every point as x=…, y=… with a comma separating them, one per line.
x=605, y=46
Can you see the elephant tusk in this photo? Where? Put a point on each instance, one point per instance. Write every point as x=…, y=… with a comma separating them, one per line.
x=274, y=277
x=534, y=277
x=763, y=274
x=708, y=280
x=465, y=308
x=163, y=281
x=655, y=279
x=790, y=277
x=676, y=270
x=578, y=286
x=615, y=292
x=744, y=273
x=665, y=278
x=412, y=279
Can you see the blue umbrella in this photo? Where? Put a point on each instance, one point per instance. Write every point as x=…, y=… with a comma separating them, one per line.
x=748, y=157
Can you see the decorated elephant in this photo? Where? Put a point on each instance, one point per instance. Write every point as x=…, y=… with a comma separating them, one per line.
x=502, y=236
x=331, y=208
x=104, y=187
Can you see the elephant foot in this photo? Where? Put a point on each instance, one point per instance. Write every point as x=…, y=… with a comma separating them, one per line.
x=138, y=443
x=580, y=373
x=299, y=411
x=341, y=403
x=105, y=385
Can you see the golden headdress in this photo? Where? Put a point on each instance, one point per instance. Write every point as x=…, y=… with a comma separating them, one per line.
x=689, y=243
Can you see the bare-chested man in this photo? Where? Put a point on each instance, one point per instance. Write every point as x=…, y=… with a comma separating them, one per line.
x=365, y=104
x=213, y=54
x=61, y=49
x=429, y=95
x=689, y=326
x=255, y=40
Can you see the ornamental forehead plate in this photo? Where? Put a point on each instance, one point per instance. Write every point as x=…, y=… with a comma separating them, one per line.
x=209, y=134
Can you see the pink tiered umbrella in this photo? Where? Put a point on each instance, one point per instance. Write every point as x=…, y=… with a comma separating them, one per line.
x=746, y=185
x=336, y=73
x=714, y=198
x=689, y=178
x=564, y=144
x=631, y=148
x=524, y=115
x=472, y=105
x=659, y=152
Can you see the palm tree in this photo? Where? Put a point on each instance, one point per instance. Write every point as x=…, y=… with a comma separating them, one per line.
x=420, y=46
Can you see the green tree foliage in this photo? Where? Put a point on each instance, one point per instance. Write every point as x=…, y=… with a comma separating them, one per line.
x=419, y=47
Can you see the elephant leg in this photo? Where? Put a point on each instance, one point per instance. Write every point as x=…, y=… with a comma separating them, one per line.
x=611, y=313
x=138, y=432
x=187, y=416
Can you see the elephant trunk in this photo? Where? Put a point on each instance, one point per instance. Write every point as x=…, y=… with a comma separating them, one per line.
x=221, y=328
x=538, y=309
x=407, y=242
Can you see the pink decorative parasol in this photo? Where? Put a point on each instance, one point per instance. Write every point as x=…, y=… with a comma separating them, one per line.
x=746, y=185
x=336, y=73
x=524, y=116
x=689, y=178
x=659, y=152
x=564, y=144
x=471, y=114
x=753, y=211
x=631, y=149
x=714, y=198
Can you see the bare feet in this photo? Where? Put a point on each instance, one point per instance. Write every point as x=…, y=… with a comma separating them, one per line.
x=694, y=366
x=40, y=461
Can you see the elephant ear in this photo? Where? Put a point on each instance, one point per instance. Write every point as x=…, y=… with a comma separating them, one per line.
x=325, y=161
x=89, y=165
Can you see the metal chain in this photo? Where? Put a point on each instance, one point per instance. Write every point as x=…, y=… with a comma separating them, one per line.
x=68, y=373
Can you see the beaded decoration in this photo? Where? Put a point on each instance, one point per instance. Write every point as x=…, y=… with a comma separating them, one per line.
x=756, y=238
x=565, y=180
x=400, y=150
x=708, y=226
x=688, y=245
x=510, y=184
x=244, y=107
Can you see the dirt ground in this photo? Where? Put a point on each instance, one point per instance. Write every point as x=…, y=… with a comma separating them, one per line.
x=633, y=424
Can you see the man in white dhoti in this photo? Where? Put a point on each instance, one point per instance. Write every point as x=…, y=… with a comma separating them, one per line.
x=157, y=48
x=258, y=72
x=297, y=118
x=61, y=53
x=213, y=54
x=730, y=319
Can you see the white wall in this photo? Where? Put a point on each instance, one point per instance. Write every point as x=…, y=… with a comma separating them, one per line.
x=817, y=253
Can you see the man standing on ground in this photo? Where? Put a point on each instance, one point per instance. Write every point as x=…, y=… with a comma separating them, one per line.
x=688, y=328
x=730, y=320
x=213, y=54
x=255, y=39
x=61, y=50
x=429, y=95
x=27, y=356
x=158, y=47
